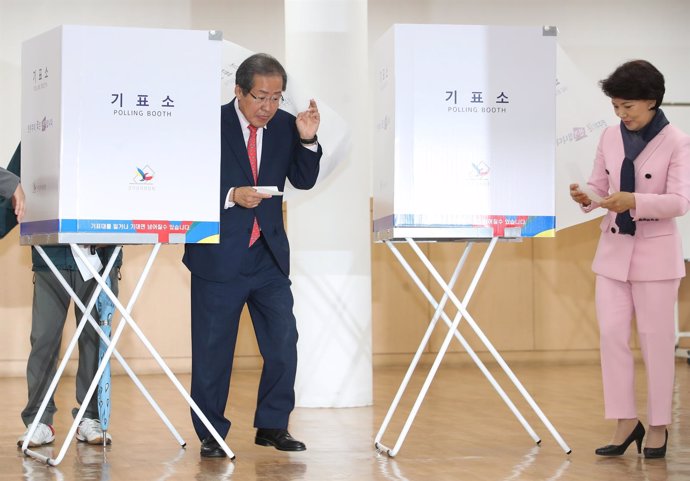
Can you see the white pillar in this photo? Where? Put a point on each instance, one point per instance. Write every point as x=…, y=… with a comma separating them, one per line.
x=328, y=227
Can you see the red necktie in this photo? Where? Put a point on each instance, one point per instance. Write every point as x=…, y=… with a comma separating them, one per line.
x=251, y=151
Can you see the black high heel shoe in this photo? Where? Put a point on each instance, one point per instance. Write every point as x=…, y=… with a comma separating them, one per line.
x=654, y=453
x=617, y=449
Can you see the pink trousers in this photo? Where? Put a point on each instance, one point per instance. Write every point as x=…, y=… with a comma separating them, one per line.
x=653, y=305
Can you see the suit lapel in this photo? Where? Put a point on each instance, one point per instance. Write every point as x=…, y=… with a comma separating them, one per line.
x=233, y=135
x=650, y=148
x=642, y=158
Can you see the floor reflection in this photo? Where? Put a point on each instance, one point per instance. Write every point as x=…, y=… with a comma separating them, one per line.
x=34, y=470
x=277, y=470
x=91, y=462
x=454, y=438
x=169, y=466
x=561, y=470
x=214, y=469
x=655, y=469
x=389, y=468
x=526, y=462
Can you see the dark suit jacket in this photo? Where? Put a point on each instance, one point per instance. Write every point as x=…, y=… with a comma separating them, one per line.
x=282, y=157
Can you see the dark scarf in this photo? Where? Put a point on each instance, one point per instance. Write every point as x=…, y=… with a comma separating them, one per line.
x=633, y=144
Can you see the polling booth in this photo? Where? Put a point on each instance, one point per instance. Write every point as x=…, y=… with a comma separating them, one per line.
x=120, y=134
x=120, y=145
x=465, y=143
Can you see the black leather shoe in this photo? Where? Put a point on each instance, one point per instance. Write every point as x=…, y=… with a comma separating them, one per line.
x=655, y=453
x=617, y=449
x=211, y=449
x=279, y=439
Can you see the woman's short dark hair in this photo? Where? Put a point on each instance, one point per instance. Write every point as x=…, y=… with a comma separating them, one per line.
x=258, y=64
x=635, y=80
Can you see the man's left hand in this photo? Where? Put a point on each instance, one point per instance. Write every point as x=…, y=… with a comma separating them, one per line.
x=308, y=121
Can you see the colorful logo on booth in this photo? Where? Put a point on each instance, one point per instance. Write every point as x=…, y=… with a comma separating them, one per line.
x=144, y=175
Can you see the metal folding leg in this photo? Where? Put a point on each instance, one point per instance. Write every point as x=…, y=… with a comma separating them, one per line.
x=125, y=319
x=87, y=312
x=453, y=331
x=439, y=312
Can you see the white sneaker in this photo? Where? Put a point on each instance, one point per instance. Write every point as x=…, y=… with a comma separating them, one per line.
x=44, y=434
x=90, y=431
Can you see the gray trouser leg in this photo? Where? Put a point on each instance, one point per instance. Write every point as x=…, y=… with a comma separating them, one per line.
x=50, y=304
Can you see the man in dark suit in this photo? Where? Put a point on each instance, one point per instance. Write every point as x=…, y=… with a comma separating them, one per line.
x=260, y=146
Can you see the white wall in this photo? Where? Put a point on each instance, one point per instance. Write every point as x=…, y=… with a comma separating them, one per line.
x=329, y=226
x=596, y=35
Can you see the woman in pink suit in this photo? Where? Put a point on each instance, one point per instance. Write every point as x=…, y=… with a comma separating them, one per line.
x=641, y=176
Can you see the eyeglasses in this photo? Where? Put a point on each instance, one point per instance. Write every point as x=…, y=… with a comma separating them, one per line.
x=272, y=100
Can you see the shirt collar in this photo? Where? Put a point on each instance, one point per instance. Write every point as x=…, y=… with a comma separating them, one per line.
x=243, y=120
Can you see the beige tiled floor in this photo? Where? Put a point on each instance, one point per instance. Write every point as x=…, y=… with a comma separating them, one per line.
x=463, y=432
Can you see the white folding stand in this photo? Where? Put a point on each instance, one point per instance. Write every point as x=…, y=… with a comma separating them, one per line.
x=124, y=144
x=125, y=319
x=453, y=331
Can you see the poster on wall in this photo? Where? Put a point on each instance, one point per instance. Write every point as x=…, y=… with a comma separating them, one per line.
x=465, y=132
x=121, y=136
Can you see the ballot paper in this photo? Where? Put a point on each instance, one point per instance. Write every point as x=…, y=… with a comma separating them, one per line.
x=593, y=196
x=576, y=175
x=268, y=189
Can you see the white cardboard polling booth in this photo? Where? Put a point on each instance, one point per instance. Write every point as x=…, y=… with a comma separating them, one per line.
x=120, y=145
x=465, y=150
x=465, y=132
x=120, y=135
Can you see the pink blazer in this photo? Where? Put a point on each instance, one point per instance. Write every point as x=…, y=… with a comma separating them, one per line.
x=662, y=192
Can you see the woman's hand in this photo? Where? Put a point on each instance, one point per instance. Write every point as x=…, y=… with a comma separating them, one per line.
x=619, y=202
x=578, y=196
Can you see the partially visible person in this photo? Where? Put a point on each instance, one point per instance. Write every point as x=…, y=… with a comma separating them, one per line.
x=49, y=312
x=261, y=145
x=642, y=172
x=11, y=188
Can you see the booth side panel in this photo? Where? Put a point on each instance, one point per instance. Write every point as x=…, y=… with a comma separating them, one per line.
x=41, y=131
